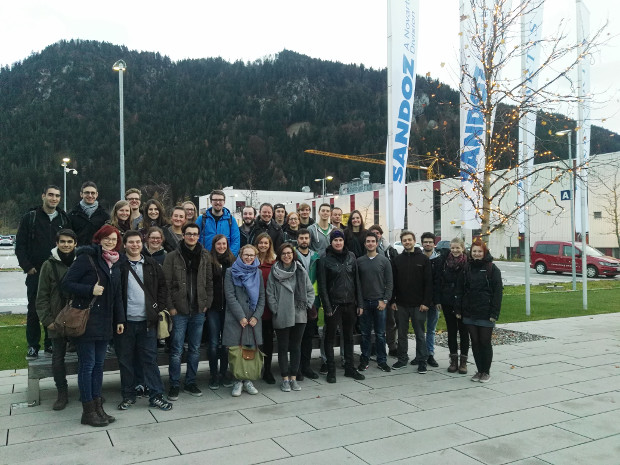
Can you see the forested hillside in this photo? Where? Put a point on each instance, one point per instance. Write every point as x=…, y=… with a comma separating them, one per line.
x=194, y=125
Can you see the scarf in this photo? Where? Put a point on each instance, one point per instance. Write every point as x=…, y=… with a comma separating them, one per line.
x=454, y=264
x=191, y=257
x=110, y=257
x=285, y=276
x=66, y=258
x=248, y=277
x=89, y=209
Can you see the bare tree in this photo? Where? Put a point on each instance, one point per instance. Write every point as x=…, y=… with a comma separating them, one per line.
x=494, y=41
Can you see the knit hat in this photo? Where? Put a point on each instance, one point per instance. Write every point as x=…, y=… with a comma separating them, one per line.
x=336, y=233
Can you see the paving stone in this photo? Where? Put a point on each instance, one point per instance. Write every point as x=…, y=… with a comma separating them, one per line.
x=540, y=359
x=589, y=405
x=413, y=444
x=586, y=374
x=242, y=454
x=540, y=370
x=332, y=456
x=223, y=437
x=528, y=384
x=601, y=452
x=293, y=409
x=512, y=422
x=442, y=457
x=340, y=436
x=406, y=376
x=595, y=386
x=446, y=399
x=524, y=444
x=318, y=390
x=344, y=416
x=595, y=426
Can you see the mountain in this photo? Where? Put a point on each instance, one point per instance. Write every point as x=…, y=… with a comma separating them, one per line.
x=195, y=125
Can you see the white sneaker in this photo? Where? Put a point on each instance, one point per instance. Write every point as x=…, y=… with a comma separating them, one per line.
x=237, y=387
x=249, y=388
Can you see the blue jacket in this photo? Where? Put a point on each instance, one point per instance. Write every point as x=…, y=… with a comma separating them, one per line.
x=80, y=280
x=227, y=225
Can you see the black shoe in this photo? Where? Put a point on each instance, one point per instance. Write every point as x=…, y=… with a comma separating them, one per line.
x=362, y=366
x=356, y=375
x=300, y=376
x=160, y=403
x=331, y=378
x=32, y=354
x=126, y=404
x=140, y=391
x=48, y=350
x=393, y=353
x=309, y=373
x=268, y=377
x=414, y=362
x=173, y=393
x=192, y=389
x=398, y=365
x=422, y=368
x=226, y=380
x=432, y=362
x=384, y=367
x=323, y=370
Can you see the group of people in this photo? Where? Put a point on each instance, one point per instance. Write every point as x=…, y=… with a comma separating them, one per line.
x=241, y=284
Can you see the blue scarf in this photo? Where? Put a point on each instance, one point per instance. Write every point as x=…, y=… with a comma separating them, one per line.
x=248, y=277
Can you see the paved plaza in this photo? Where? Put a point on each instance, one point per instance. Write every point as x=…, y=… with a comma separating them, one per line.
x=552, y=401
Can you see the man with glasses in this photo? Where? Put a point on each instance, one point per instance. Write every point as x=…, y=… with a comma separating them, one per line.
x=87, y=216
x=218, y=220
x=134, y=197
x=189, y=280
x=432, y=316
x=36, y=237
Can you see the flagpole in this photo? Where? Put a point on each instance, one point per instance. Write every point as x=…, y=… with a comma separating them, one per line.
x=389, y=186
x=524, y=165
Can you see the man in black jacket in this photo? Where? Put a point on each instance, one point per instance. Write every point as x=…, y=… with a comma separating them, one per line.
x=265, y=223
x=36, y=237
x=87, y=216
x=413, y=296
x=144, y=296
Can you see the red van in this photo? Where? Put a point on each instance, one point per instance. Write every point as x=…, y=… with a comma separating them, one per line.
x=557, y=256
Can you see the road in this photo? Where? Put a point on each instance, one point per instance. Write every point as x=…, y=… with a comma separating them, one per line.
x=513, y=273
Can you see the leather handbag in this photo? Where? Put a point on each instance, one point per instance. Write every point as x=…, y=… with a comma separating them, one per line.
x=71, y=321
x=164, y=319
x=245, y=362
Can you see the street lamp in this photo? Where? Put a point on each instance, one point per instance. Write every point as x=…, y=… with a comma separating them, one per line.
x=323, y=180
x=568, y=132
x=121, y=66
x=66, y=170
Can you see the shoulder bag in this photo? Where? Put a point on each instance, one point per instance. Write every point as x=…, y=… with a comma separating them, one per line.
x=246, y=363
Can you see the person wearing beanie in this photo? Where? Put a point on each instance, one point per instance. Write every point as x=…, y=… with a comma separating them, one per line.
x=279, y=214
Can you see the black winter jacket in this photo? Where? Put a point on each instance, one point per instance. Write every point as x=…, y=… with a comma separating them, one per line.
x=480, y=289
x=446, y=282
x=338, y=280
x=80, y=280
x=413, y=279
x=154, y=283
x=272, y=228
x=35, y=243
x=86, y=227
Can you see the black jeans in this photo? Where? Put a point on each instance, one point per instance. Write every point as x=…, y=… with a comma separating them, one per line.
x=481, y=347
x=267, y=346
x=289, y=339
x=33, y=326
x=140, y=340
x=59, y=350
x=418, y=319
x=345, y=316
x=455, y=325
x=306, y=343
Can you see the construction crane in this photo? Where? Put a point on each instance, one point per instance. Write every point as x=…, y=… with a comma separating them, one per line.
x=363, y=159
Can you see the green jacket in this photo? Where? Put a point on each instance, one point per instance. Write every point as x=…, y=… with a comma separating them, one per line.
x=49, y=298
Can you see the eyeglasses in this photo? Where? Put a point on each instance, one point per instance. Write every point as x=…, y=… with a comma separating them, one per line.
x=133, y=199
x=151, y=238
x=293, y=219
x=89, y=193
x=191, y=234
x=109, y=239
x=217, y=200
x=245, y=255
x=286, y=253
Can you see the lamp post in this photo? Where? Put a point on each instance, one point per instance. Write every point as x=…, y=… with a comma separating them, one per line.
x=568, y=132
x=121, y=66
x=323, y=180
x=65, y=170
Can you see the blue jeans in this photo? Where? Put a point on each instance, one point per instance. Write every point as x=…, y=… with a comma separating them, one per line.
x=432, y=317
x=137, y=348
x=215, y=320
x=372, y=316
x=90, y=368
x=192, y=326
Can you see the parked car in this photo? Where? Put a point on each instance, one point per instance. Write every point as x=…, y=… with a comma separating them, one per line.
x=399, y=246
x=7, y=240
x=557, y=256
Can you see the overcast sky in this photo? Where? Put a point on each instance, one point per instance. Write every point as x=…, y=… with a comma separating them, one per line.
x=349, y=31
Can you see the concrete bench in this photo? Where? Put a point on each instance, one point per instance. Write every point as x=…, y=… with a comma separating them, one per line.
x=41, y=368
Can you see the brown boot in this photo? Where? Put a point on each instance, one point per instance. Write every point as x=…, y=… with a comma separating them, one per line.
x=463, y=365
x=454, y=360
x=90, y=417
x=63, y=399
x=99, y=409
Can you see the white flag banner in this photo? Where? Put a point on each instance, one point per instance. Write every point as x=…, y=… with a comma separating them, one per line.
x=474, y=14
x=531, y=30
x=583, y=135
x=402, y=46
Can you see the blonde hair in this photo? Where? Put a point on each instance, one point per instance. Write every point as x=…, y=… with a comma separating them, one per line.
x=459, y=241
x=248, y=246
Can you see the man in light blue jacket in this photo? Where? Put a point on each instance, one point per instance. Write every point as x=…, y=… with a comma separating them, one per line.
x=218, y=220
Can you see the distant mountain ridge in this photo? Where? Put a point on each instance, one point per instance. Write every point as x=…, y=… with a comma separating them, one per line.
x=195, y=125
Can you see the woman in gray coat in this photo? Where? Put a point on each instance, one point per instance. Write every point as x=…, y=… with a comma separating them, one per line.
x=290, y=294
x=245, y=301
